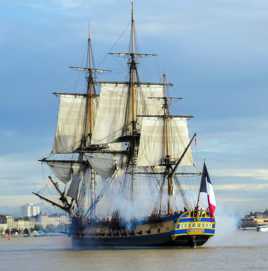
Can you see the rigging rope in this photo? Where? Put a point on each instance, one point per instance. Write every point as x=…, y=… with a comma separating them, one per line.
x=98, y=198
x=185, y=201
x=103, y=60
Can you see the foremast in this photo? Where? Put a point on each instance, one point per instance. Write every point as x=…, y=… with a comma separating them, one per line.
x=87, y=125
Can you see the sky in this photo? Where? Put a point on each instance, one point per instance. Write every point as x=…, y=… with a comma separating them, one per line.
x=214, y=52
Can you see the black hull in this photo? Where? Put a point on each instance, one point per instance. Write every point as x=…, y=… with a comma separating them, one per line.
x=160, y=240
x=178, y=230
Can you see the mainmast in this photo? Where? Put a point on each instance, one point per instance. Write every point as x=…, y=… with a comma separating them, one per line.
x=133, y=81
x=91, y=92
x=133, y=72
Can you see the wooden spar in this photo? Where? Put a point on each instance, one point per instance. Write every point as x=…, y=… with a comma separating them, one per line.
x=89, y=116
x=133, y=72
x=52, y=202
x=90, y=92
x=166, y=97
x=161, y=194
x=137, y=83
x=133, y=82
x=90, y=95
x=137, y=54
x=166, y=145
x=182, y=156
x=62, y=195
x=55, y=185
x=89, y=69
x=133, y=92
x=72, y=94
x=45, y=160
x=168, y=116
x=133, y=78
x=165, y=126
x=190, y=174
x=172, y=173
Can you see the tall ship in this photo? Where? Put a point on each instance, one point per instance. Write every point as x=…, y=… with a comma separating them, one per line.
x=118, y=157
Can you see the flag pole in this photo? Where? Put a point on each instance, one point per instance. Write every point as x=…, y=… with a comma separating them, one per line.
x=201, y=183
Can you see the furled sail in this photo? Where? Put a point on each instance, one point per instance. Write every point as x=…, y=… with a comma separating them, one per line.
x=113, y=116
x=152, y=150
x=71, y=123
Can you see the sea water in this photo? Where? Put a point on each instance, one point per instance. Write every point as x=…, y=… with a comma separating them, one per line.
x=239, y=250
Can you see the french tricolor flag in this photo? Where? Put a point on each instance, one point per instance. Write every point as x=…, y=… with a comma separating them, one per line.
x=206, y=187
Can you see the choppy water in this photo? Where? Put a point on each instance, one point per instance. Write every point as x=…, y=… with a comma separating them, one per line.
x=232, y=252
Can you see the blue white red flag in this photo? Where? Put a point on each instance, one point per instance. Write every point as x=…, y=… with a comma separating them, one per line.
x=206, y=187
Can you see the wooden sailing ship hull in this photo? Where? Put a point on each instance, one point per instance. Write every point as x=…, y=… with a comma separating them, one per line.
x=181, y=230
x=157, y=240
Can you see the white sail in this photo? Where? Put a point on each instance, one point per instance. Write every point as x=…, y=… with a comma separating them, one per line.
x=107, y=164
x=83, y=197
x=111, y=114
x=152, y=148
x=63, y=170
x=71, y=123
x=73, y=190
x=147, y=103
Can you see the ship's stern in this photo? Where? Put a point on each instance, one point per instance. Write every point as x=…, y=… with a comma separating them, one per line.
x=193, y=228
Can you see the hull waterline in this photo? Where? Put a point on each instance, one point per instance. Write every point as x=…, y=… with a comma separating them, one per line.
x=171, y=231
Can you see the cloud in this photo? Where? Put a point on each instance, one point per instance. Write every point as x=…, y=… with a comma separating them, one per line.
x=259, y=174
x=15, y=201
x=21, y=174
x=241, y=187
x=233, y=146
x=227, y=187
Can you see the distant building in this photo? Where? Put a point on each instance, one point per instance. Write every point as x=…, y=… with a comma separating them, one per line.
x=3, y=224
x=22, y=224
x=10, y=222
x=50, y=222
x=30, y=210
x=53, y=220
